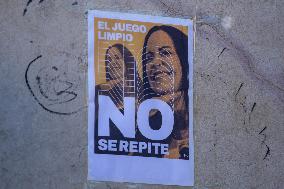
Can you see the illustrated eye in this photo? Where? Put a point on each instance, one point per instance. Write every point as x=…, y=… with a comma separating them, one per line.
x=149, y=57
x=165, y=52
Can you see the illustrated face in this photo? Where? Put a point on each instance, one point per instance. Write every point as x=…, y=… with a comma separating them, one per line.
x=115, y=62
x=163, y=66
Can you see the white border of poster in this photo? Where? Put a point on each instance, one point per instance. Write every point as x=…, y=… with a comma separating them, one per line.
x=136, y=169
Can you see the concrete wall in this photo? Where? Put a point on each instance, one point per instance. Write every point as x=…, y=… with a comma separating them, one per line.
x=238, y=91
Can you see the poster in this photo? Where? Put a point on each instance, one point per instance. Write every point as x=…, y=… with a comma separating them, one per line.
x=140, y=119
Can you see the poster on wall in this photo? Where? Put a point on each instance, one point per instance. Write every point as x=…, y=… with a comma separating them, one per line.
x=140, y=105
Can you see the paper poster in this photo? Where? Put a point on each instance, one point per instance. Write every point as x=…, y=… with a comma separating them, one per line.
x=140, y=119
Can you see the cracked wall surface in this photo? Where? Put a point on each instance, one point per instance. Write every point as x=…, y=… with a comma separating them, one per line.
x=238, y=92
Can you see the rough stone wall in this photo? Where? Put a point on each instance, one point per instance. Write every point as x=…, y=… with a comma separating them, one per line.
x=238, y=91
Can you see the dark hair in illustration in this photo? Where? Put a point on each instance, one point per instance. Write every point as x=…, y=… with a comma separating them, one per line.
x=127, y=57
x=180, y=41
x=127, y=87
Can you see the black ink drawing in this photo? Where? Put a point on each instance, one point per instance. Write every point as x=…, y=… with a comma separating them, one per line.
x=28, y=4
x=52, y=88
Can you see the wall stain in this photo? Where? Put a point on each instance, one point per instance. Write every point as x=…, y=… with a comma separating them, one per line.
x=170, y=8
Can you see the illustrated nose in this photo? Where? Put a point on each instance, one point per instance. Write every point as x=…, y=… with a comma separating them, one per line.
x=157, y=62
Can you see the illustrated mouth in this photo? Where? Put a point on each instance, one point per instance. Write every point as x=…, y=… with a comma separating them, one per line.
x=159, y=74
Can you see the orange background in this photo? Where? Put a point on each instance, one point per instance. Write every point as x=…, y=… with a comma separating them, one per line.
x=135, y=46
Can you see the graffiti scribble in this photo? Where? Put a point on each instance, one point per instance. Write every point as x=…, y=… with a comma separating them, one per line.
x=51, y=88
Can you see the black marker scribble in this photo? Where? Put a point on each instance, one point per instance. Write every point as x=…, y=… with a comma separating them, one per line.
x=40, y=87
x=267, y=152
x=26, y=8
x=72, y=94
x=262, y=132
x=50, y=88
x=242, y=84
x=253, y=107
x=27, y=5
x=222, y=52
